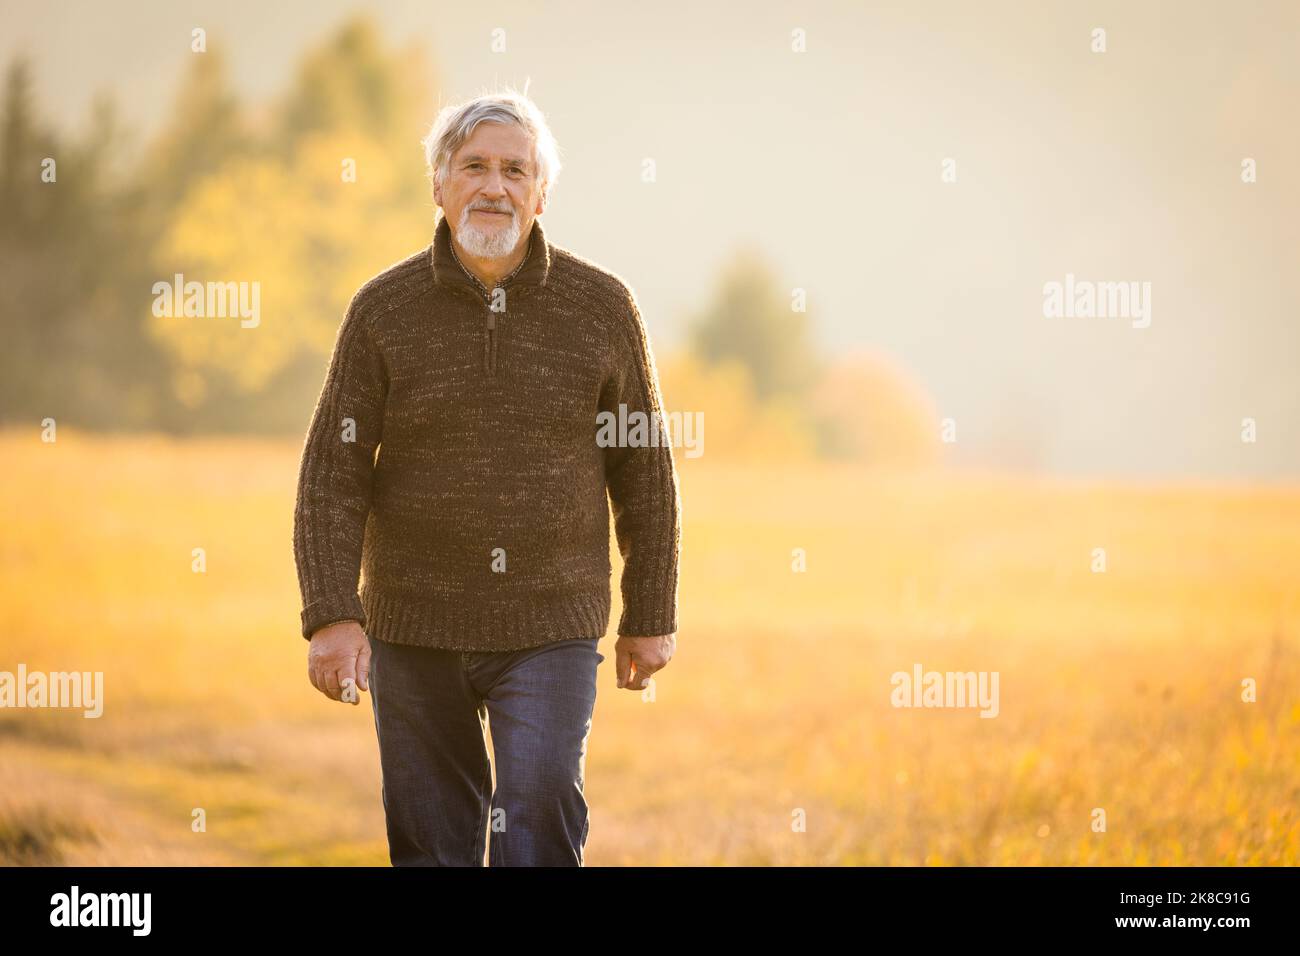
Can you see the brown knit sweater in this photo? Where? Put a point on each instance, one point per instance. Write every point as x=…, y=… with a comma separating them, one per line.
x=452, y=460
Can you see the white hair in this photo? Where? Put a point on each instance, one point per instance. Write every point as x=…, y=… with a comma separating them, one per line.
x=455, y=124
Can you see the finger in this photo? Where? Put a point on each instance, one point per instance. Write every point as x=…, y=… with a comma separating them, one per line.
x=623, y=666
x=332, y=689
x=636, y=680
x=363, y=667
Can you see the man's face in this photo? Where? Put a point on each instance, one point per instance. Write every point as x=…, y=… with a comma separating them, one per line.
x=490, y=196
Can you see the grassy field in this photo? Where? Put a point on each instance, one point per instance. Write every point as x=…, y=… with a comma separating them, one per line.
x=1118, y=690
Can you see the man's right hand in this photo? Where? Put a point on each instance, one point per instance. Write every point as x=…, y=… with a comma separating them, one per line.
x=338, y=652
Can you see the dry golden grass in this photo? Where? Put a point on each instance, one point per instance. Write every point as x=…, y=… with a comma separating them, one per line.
x=1118, y=690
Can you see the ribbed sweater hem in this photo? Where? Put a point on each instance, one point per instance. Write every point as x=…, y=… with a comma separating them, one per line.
x=469, y=624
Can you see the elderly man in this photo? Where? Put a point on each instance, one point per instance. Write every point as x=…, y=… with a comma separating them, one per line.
x=453, y=462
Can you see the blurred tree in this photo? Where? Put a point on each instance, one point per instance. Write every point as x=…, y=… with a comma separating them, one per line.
x=326, y=193
x=72, y=254
x=24, y=249
x=18, y=148
x=352, y=84
x=334, y=194
x=736, y=425
x=871, y=410
x=861, y=408
x=205, y=131
x=752, y=321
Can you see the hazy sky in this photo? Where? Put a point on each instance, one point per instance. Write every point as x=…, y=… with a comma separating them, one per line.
x=1122, y=166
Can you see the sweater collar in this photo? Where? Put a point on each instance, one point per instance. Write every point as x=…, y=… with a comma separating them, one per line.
x=448, y=270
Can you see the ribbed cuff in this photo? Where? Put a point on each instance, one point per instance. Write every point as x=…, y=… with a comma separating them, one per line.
x=648, y=620
x=331, y=610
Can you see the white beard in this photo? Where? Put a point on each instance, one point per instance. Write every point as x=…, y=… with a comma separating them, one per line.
x=487, y=243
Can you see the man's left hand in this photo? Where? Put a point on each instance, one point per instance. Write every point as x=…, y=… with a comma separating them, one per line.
x=640, y=657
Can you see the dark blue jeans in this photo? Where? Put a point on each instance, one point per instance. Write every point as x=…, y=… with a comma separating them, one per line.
x=433, y=711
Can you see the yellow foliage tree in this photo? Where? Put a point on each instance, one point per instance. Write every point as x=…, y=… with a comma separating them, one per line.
x=877, y=412
x=333, y=193
x=304, y=234
x=738, y=426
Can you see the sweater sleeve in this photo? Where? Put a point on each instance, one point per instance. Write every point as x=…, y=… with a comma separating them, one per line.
x=335, y=477
x=641, y=479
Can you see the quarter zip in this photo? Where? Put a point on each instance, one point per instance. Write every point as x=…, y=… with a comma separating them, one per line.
x=489, y=330
x=490, y=340
x=492, y=334
x=490, y=325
